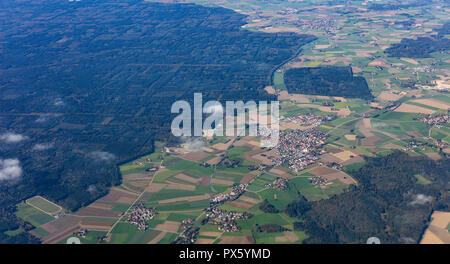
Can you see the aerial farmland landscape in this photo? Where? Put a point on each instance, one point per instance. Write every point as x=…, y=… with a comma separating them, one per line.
x=87, y=143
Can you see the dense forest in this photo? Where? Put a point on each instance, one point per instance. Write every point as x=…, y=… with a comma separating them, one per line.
x=266, y=207
x=89, y=84
x=329, y=81
x=388, y=203
x=422, y=47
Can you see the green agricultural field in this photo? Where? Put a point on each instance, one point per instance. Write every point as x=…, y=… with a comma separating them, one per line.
x=132, y=187
x=270, y=238
x=353, y=167
x=92, y=237
x=279, y=198
x=342, y=120
x=248, y=227
x=278, y=80
x=220, y=188
x=32, y=215
x=397, y=116
x=41, y=232
x=181, y=206
x=218, y=139
x=131, y=167
x=443, y=98
x=162, y=176
x=172, y=193
x=178, y=217
x=381, y=124
x=118, y=207
x=228, y=207
x=14, y=232
x=236, y=178
x=257, y=185
x=424, y=106
x=237, y=152
x=294, y=112
x=422, y=180
x=238, y=170
x=189, y=167
x=418, y=127
x=436, y=134
x=99, y=219
x=307, y=189
x=139, y=165
x=314, y=193
x=44, y=205
x=266, y=218
x=168, y=238
x=125, y=233
x=266, y=238
x=154, y=156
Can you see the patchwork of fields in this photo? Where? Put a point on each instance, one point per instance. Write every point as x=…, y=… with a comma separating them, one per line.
x=360, y=100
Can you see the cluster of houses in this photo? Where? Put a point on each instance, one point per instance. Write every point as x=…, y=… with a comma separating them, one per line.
x=187, y=223
x=188, y=236
x=412, y=144
x=309, y=119
x=326, y=25
x=81, y=233
x=439, y=144
x=140, y=162
x=236, y=191
x=140, y=215
x=436, y=120
x=189, y=233
x=318, y=180
x=225, y=220
x=278, y=183
x=334, y=165
x=300, y=149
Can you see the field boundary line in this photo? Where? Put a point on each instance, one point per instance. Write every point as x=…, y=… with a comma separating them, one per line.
x=42, y=210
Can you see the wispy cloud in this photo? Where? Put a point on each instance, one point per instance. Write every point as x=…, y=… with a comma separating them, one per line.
x=421, y=199
x=10, y=169
x=102, y=156
x=45, y=117
x=43, y=146
x=92, y=188
x=12, y=137
x=58, y=102
x=193, y=143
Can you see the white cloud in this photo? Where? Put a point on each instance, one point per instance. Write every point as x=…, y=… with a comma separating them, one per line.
x=12, y=137
x=102, y=155
x=193, y=143
x=10, y=169
x=92, y=188
x=58, y=102
x=45, y=117
x=421, y=199
x=43, y=146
